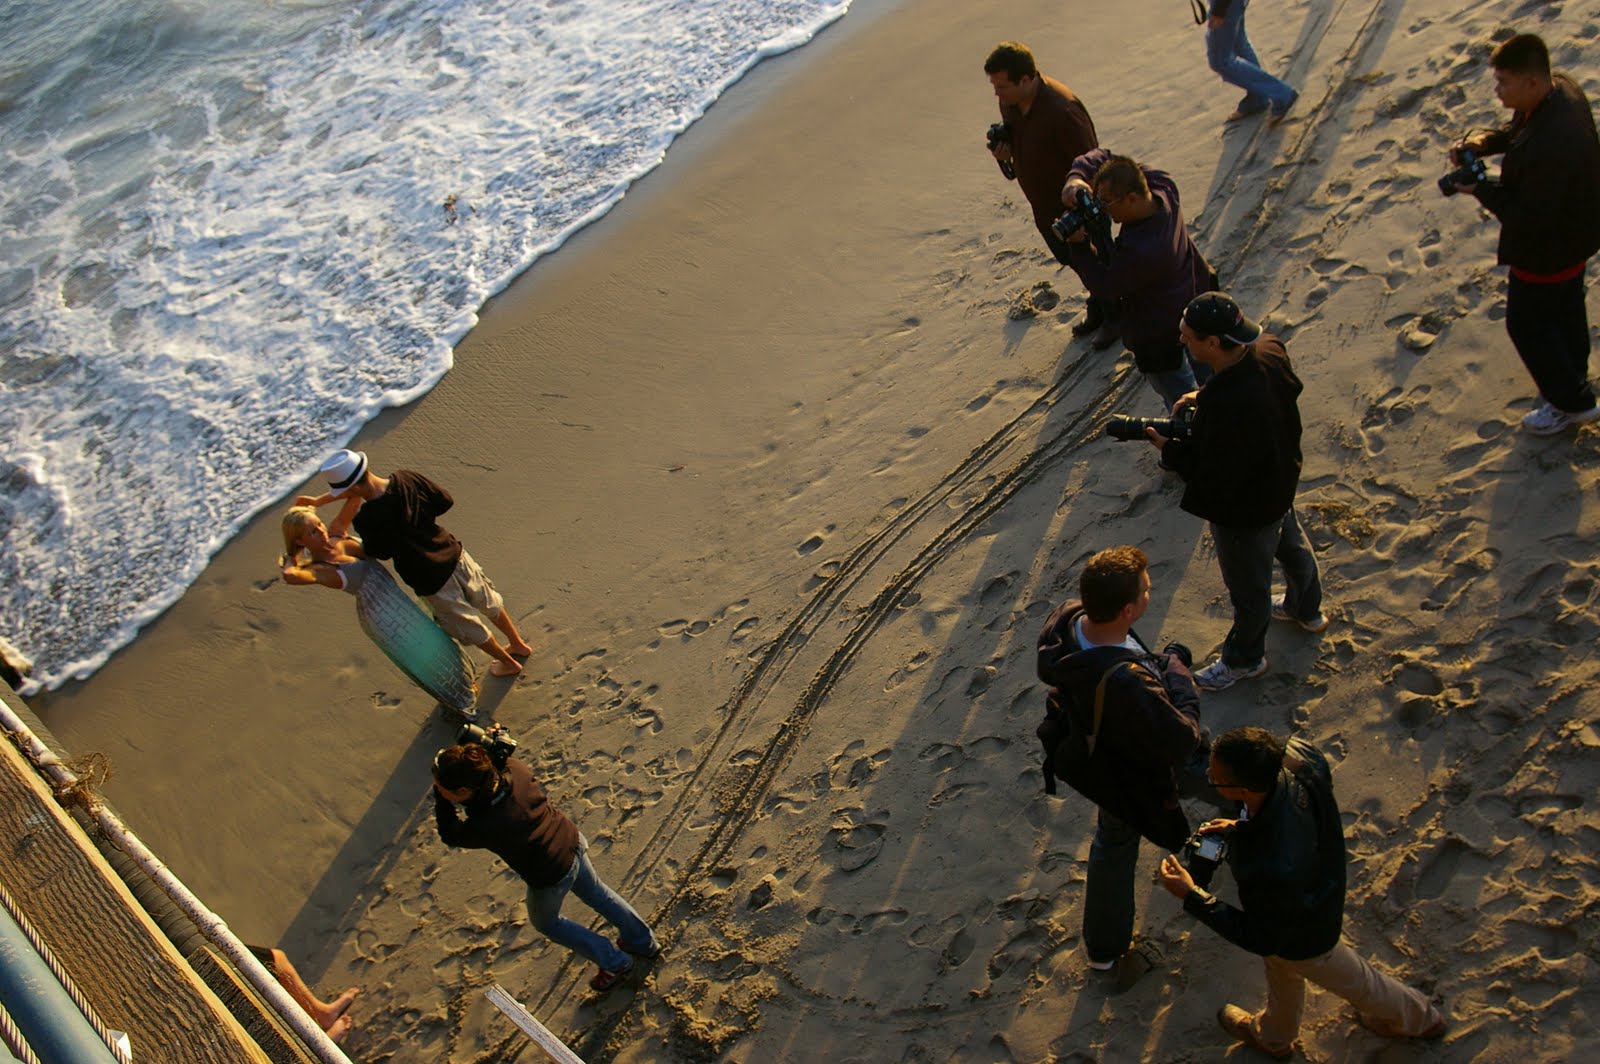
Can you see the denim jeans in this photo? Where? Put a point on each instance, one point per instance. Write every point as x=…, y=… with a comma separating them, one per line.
x=544, y=912
x=1245, y=557
x=1229, y=52
x=1177, y=382
x=1108, y=902
x=1549, y=325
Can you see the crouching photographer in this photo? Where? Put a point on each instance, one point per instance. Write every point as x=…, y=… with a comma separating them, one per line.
x=1287, y=856
x=1240, y=463
x=508, y=813
x=1121, y=727
x=1154, y=266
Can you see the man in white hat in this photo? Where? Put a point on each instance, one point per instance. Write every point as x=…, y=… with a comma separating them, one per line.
x=397, y=519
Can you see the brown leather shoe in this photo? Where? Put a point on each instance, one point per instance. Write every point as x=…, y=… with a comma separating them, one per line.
x=1238, y=1023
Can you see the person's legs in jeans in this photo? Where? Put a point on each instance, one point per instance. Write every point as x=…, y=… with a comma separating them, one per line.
x=592, y=891
x=1245, y=557
x=1229, y=53
x=544, y=913
x=1539, y=322
x=1172, y=383
x=1302, y=596
x=1108, y=892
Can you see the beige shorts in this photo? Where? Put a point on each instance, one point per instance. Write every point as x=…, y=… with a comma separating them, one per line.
x=466, y=598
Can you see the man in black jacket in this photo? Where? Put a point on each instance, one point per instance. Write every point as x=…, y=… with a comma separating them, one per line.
x=1286, y=853
x=1548, y=203
x=1148, y=746
x=1155, y=266
x=1241, y=464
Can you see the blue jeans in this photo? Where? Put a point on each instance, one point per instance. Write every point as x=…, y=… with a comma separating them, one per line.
x=1172, y=383
x=1229, y=52
x=1108, y=902
x=1245, y=556
x=544, y=912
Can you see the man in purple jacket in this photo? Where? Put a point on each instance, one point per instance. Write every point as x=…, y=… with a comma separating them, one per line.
x=1155, y=267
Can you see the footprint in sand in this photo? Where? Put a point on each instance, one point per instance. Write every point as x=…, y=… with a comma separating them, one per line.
x=853, y=846
x=811, y=544
x=903, y=673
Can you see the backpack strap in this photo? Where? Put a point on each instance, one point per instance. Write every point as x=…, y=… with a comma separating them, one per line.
x=1100, y=704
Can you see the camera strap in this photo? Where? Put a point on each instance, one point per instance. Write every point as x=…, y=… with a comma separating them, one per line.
x=1199, y=10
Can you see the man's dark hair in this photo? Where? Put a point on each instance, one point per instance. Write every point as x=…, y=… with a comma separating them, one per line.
x=1253, y=757
x=1523, y=54
x=467, y=765
x=1013, y=58
x=1111, y=581
x=1123, y=176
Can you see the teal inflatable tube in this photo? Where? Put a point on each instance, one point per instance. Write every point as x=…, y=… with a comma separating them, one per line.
x=40, y=1007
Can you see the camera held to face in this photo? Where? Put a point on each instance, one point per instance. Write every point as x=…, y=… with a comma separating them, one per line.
x=999, y=134
x=496, y=739
x=1087, y=214
x=1202, y=854
x=1470, y=172
x=1177, y=427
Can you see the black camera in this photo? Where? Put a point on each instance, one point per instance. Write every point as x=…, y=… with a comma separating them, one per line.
x=999, y=134
x=1179, y=651
x=1470, y=172
x=1202, y=854
x=496, y=739
x=1086, y=214
x=1177, y=427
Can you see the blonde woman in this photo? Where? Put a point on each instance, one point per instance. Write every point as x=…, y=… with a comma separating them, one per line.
x=315, y=554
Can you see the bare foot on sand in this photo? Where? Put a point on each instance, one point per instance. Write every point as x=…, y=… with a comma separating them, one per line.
x=519, y=650
x=340, y=1028
x=336, y=1008
x=504, y=668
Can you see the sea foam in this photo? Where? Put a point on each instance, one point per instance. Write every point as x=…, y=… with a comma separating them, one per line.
x=236, y=231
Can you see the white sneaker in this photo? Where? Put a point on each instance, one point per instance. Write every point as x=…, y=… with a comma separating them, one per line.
x=1219, y=675
x=1315, y=625
x=1546, y=420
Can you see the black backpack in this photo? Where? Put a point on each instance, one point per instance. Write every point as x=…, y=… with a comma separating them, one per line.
x=1069, y=737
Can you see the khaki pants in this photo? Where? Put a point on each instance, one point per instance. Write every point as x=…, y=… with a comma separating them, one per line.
x=1387, y=1006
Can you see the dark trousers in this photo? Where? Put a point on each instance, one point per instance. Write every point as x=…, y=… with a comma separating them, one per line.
x=1108, y=903
x=1549, y=325
x=1245, y=557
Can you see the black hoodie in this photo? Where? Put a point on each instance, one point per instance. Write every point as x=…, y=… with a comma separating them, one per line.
x=1149, y=726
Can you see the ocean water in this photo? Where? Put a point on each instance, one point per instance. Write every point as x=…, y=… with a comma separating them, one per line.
x=235, y=230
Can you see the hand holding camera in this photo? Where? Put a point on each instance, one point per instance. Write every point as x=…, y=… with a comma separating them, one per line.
x=1000, y=147
x=1468, y=173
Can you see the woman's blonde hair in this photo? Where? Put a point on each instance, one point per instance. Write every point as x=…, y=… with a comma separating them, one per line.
x=295, y=524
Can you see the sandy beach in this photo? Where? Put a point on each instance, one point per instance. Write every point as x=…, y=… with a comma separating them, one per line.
x=780, y=466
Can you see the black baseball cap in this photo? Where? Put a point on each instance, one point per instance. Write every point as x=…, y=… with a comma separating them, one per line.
x=1216, y=314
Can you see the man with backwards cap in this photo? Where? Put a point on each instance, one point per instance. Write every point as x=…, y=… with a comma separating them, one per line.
x=397, y=518
x=1241, y=465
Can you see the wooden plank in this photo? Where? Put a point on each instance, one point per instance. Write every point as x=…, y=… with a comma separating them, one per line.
x=121, y=962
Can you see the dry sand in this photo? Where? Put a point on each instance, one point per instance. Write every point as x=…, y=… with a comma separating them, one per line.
x=781, y=490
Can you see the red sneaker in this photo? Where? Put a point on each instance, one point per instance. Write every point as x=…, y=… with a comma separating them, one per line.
x=606, y=978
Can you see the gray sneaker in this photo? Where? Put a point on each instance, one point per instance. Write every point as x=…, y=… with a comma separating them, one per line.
x=1547, y=420
x=1315, y=625
x=1219, y=675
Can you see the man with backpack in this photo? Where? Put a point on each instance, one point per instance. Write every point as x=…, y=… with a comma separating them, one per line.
x=1122, y=727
